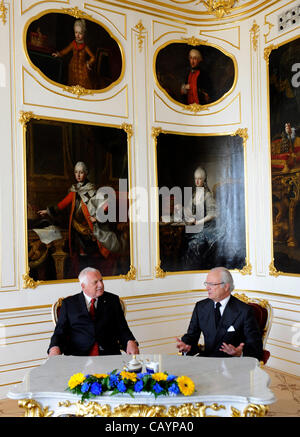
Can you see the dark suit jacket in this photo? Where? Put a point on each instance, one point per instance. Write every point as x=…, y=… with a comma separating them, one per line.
x=76, y=332
x=237, y=314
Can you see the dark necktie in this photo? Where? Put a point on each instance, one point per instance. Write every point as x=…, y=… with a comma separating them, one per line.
x=95, y=348
x=217, y=313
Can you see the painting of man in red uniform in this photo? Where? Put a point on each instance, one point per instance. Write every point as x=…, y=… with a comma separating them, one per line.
x=77, y=199
x=87, y=237
x=196, y=88
x=192, y=74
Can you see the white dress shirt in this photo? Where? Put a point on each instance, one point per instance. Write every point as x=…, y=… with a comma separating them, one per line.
x=223, y=303
x=88, y=300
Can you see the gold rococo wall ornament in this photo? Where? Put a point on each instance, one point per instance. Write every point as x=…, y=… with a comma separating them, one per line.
x=219, y=8
x=3, y=11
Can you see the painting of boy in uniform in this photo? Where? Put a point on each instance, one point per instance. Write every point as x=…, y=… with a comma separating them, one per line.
x=73, y=51
x=80, y=65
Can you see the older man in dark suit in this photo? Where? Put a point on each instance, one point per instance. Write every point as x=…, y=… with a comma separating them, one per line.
x=92, y=322
x=228, y=325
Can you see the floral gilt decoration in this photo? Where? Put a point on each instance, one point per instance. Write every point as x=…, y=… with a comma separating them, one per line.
x=219, y=7
x=3, y=11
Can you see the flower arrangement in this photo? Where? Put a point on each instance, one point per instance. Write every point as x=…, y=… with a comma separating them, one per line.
x=160, y=383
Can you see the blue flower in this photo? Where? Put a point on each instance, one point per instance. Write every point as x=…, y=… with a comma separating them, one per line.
x=174, y=389
x=96, y=388
x=138, y=386
x=141, y=375
x=171, y=377
x=121, y=387
x=113, y=380
x=85, y=387
x=157, y=388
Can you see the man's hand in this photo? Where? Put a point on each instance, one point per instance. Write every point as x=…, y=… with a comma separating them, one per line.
x=55, y=350
x=132, y=348
x=231, y=350
x=182, y=346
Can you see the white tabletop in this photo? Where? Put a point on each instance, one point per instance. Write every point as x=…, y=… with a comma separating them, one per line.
x=216, y=379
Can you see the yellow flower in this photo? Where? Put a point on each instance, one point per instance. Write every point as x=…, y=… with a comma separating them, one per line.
x=75, y=380
x=128, y=375
x=100, y=375
x=186, y=385
x=159, y=376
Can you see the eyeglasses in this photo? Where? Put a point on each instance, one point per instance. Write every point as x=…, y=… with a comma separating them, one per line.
x=212, y=284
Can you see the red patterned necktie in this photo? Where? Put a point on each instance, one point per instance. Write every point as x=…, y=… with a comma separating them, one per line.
x=92, y=308
x=95, y=349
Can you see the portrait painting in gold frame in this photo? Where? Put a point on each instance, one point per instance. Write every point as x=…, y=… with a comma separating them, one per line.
x=284, y=104
x=77, y=182
x=202, y=214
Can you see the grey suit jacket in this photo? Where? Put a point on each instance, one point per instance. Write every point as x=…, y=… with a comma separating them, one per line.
x=238, y=315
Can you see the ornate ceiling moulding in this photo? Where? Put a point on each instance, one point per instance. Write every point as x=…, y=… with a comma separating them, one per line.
x=76, y=13
x=219, y=8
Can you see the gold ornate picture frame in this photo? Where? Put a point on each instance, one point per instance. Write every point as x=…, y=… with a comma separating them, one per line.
x=174, y=70
x=222, y=238
x=284, y=109
x=90, y=63
x=72, y=223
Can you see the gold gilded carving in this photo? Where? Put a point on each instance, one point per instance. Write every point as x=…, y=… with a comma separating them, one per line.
x=25, y=117
x=273, y=271
x=3, y=11
x=269, y=31
x=156, y=131
x=128, y=129
x=92, y=409
x=247, y=269
x=252, y=410
x=131, y=275
x=78, y=90
x=159, y=273
x=140, y=28
x=194, y=107
x=218, y=7
x=255, y=33
x=34, y=409
x=262, y=302
x=267, y=52
x=29, y=282
x=75, y=12
x=194, y=41
x=243, y=132
x=189, y=410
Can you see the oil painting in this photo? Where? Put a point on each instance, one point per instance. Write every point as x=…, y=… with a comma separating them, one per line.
x=201, y=202
x=77, y=199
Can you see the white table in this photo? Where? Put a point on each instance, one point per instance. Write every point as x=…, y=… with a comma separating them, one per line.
x=223, y=387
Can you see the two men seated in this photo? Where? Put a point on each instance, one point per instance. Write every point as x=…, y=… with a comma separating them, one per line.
x=92, y=322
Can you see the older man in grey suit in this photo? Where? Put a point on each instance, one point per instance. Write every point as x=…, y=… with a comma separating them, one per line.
x=228, y=325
